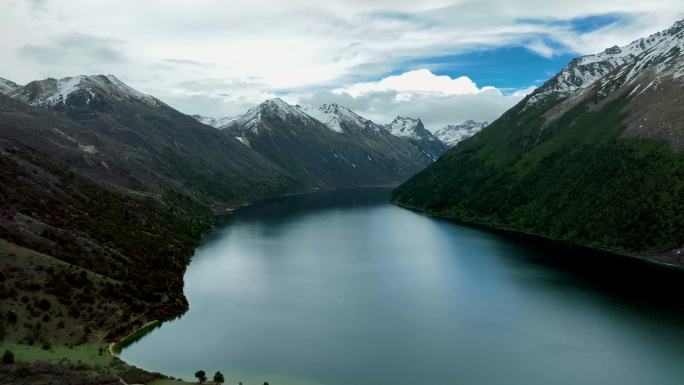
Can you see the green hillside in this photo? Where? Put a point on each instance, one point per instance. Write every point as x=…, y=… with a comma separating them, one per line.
x=574, y=178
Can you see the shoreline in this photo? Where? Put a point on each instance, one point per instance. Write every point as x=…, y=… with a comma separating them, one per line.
x=114, y=348
x=542, y=237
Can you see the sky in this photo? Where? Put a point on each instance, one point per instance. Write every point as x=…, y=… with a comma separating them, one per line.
x=443, y=61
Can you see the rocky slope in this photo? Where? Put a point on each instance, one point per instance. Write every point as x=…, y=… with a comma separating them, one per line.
x=594, y=156
x=454, y=133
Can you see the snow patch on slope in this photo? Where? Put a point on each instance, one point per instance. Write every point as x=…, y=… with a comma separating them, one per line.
x=243, y=140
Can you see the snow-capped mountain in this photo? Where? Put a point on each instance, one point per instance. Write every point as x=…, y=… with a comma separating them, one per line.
x=7, y=86
x=414, y=131
x=270, y=110
x=454, y=133
x=78, y=90
x=339, y=118
x=648, y=73
x=275, y=114
x=405, y=127
x=619, y=66
x=329, y=145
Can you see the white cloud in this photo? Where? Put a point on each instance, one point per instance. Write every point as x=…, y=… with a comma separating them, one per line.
x=416, y=81
x=168, y=47
x=541, y=48
x=437, y=100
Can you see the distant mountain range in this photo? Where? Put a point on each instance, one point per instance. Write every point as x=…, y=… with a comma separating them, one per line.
x=331, y=145
x=394, y=145
x=594, y=156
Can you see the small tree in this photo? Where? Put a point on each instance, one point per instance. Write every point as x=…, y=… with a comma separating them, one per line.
x=201, y=376
x=218, y=378
x=8, y=357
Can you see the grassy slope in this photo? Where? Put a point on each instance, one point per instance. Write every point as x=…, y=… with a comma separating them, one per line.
x=574, y=180
x=83, y=265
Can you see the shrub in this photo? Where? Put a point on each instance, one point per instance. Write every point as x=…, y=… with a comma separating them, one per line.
x=8, y=357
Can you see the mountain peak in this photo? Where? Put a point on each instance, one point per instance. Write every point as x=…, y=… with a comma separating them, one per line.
x=277, y=107
x=406, y=127
x=269, y=109
x=337, y=118
x=275, y=103
x=330, y=107
x=52, y=92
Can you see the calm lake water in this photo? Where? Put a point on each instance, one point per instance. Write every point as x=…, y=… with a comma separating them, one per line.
x=343, y=288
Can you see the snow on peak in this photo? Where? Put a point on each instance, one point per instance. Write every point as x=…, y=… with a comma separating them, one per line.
x=406, y=127
x=275, y=108
x=280, y=108
x=51, y=92
x=454, y=133
x=7, y=86
x=337, y=117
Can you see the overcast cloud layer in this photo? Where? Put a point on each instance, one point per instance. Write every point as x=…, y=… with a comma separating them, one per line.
x=221, y=57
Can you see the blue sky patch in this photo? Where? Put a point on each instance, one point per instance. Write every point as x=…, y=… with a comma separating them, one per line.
x=506, y=68
x=514, y=67
x=583, y=24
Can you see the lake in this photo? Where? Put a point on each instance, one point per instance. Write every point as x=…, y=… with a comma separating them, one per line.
x=343, y=288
